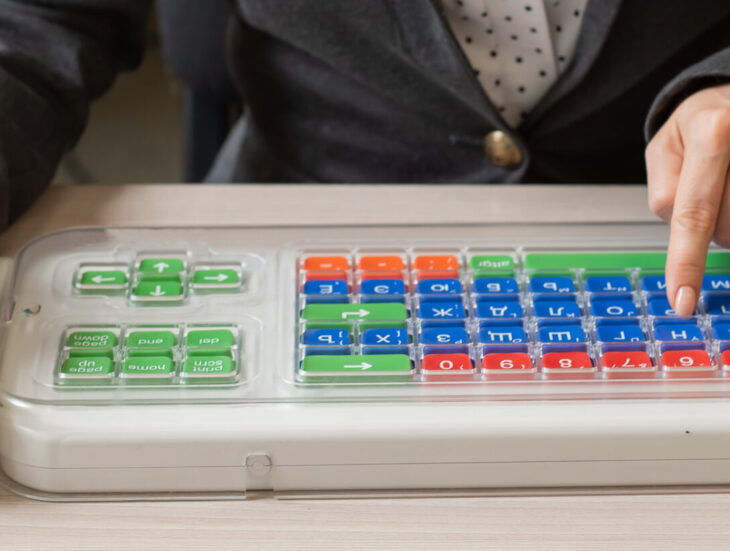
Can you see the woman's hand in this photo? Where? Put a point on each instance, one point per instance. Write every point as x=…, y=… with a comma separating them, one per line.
x=687, y=164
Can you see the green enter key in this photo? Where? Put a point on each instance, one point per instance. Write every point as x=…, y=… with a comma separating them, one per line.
x=387, y=311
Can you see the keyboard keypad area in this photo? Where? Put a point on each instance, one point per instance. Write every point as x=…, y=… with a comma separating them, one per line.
x=464, y=314
x=169, y=354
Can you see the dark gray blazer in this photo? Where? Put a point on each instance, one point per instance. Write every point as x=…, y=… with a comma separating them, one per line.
x=364, y=90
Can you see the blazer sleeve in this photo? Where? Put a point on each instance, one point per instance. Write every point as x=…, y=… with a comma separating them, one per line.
x=56, y=56
x=711, y=71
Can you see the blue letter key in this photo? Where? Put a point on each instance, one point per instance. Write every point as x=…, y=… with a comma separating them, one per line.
x=619, y=333
x=717, y=304
x=678, y=332
x=550, y=308
x=654, y=284
x=544, y=284
x=486, y=285
x=561, y=334
x=441, y=310
x=502, y=334
x=613, y=307
x=326, y=337
x=326, y=287
x=385, y=336
x=445, y=335
x=659, y=306
x=716, y=283
x=499, y=309
x=439, y=287
x=608, y=284
x=382, y=287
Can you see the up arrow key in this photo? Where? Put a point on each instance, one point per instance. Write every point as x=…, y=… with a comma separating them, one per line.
x=161, y=266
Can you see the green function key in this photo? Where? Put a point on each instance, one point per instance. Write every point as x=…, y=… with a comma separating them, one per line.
x=147, y=367
x=151, y=339
x=385, y=311
x=210, y=337
x=92, y=339
x=380, y=365
x=493, y=263
x=208, y=366
x=163, y=290
x=161, y=265
x=87, y=367
x=216, y=278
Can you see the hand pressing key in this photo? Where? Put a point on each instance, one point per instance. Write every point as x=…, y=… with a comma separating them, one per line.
x=687, y=164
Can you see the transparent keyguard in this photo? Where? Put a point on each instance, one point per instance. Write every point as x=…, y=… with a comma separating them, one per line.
x=45, y=303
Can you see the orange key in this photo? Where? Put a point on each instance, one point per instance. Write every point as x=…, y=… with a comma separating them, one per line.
x=381, y=263
x=436, y=262
x=326, y=263
x=437, y=274
x=317, y=276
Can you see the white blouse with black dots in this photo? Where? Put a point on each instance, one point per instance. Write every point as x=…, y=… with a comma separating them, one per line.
x=517, y=48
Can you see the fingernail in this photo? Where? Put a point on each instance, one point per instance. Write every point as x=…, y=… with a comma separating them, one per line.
x=685, y=301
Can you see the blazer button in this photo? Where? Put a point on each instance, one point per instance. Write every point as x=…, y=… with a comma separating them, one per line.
x=502, y=150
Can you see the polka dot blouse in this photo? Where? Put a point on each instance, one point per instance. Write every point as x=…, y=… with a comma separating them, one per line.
x=517, y=48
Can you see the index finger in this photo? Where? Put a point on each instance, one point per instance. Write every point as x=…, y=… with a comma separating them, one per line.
x=696, y=206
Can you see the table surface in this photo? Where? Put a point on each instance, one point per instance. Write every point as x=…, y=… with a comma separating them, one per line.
x=623, y=521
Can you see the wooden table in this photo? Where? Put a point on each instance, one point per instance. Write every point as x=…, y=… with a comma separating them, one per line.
x=617, y=522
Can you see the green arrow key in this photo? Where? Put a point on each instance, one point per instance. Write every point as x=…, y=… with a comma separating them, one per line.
x=158, y=290
x=215, y=277
x=386, y=311
x=380, y=365
x=103, y=278
x=161, y=265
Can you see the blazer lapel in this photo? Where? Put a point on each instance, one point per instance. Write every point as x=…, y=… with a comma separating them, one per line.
x=428, y=40
x=597, y=21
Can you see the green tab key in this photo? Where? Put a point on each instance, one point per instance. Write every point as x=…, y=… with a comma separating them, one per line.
x=386, y=311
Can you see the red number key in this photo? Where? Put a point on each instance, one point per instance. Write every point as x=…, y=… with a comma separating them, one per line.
x=446, y=363
x=512, y=365
x=627, y=364
x=567, y=365
x=687, y=363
